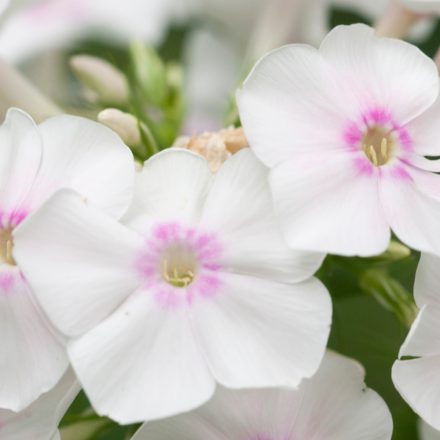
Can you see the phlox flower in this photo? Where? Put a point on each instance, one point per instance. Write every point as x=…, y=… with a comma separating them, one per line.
x=332, y=405
x=422, y=6
x=195, y=287
x=346, y=130
x=418, y=378
x=38, y=26
x=41, y=419
x=36, y=161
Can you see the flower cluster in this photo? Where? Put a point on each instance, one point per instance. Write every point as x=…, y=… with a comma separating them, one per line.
x=182, y=295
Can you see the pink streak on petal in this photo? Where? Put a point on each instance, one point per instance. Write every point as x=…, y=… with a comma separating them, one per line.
x=13, y=218
x=7, y=282
x=363, y=166
x=399, y=172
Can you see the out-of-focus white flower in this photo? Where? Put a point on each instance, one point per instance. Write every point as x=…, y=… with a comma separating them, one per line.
x=63, y=152
x=337, y=131
x=41, y=419
x=197, y=287
x=427, y=432
x=48, y=24
x=418, y=378
x=3, y=5
x=422, y=6
x=333, y=405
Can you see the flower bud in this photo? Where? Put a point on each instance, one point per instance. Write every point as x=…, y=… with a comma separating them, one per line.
x=124, y=124
x=106, y=82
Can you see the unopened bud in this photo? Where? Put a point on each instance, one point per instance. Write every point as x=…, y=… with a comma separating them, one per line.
x=397, y=251
x=390, y=294
x=124, y=124
x=105, y=81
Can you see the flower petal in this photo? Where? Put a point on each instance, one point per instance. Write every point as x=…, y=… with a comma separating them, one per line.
x=333, y=405
x=32, y=359
x=172, y=184
x=423, y=338
x=329, y=186
x=41, y=419
x=378, y=69
x=258, y=333
x=239, y=208
x=427, y=282
x=425, y=131
x=160, y=370
x=336, y=404
x=86, y=156
x=412, y=212
x=289, y=92
x=80, y=263
x=427, y=432
x=418, y=382
x=21, y=152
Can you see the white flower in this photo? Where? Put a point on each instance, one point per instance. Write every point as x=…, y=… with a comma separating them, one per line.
x=418, y=378
x=49, y=24
x=40, y=420
x=63, y=152
x=422, y=6
x=345, y=130
x=333, y=405
x=196, y=288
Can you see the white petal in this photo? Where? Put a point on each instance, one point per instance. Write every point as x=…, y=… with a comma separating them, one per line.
x=259, y=333
x=3, y=5
x=427, y=283
x=32, y=360
x=288, y=93
x=338, y=406
x=413, y=214
x=38, y=27
x=425, y=131
x=172, y=184
x=427, y=432
x=378, y=69
x=90, y=158
x=239, y=208
x=325, y=204
x=424, y=336
x=333, y=405
x=41, y=419
x=21, y=152
x=142, y=363
x=80, y=263
x=418, y=381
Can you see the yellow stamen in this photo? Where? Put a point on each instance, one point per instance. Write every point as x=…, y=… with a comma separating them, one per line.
x=373, y=155
x=6, y=247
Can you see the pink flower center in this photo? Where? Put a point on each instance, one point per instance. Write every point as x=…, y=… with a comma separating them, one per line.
x=378, y=136
x=180, y=263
